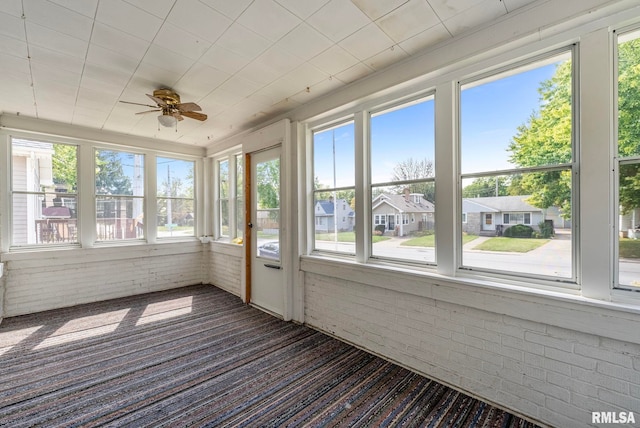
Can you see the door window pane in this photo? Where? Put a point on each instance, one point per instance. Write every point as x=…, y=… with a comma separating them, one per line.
x=267, y=196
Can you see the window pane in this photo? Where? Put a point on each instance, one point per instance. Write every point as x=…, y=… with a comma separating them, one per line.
x=267, y=196
x=535, y=240
x=402, y=143
x=334, y=225
x=224, y=217
x=44, y=185
x=334, y=157
x=175, y=178
x=119, y=173
x=239, y=197
x=176, y=217
x=119, y=195
x=521, y=118
x=119, y=218
x=224, y=179
x=403, y=223
x=629, y=169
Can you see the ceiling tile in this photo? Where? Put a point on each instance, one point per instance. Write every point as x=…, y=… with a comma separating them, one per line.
x=108, y=79
x=111, y=60
x=305, y=42
x=321, y=88
x=224, y=59
x=83, y=7
x=167, y=60
x=334, y=60
x=278, y=60
x=13, y=47
x=221, y=96
x=386, y=58
x=512, y=5
x=12, y=26
x=231, y=9
x=299, y=79
x=150, y=77
x=196, y=18
x=269, y=19
x=429, y=37
x=159, y=8
x=258, y=73
x=56, y=60
x=43, y=74
x=408, y=20
x=242, y=41
x=366, y=42
x=338, y=19
x=16, y=66
x=199, y=81
x=239, y=86
x=181, y=42
x=302, y=9
x=58, y=18
x=446, y=9
x=485, y=11
x=125, y=17
x=53, y=40
x=374, y=9
x=354, y=73
x=124, y=43
x=11, y=7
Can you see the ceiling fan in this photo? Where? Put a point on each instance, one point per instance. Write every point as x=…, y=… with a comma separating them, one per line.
x=168, y=102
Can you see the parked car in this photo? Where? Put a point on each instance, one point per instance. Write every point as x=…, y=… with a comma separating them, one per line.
x=270, y=250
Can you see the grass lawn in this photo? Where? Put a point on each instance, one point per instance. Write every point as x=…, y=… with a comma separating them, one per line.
x=629, y=248
x=429, y=240
x=511, y=245
x=346, y=237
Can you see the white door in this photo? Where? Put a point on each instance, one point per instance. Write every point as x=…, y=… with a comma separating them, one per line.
x=267, y=277
x=487, y=223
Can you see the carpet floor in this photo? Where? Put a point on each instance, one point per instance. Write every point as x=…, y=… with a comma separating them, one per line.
x=197, y=356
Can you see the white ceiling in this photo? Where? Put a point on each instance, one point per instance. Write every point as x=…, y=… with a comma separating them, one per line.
x=242, y=61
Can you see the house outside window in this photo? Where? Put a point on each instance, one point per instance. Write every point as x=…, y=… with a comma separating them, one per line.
x=175, y=197
x=517, y=167
x=119, y=195
x=402, y=164
x=43, y=193
x=334, y=188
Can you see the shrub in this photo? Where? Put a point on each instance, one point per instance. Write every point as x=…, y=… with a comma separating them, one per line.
x=546, y=229
x=519, y=231
x=379, y=230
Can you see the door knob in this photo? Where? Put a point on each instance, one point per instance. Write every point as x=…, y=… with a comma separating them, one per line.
x=250, y=225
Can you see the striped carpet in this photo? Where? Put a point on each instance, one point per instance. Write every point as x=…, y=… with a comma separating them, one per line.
x=197, y=356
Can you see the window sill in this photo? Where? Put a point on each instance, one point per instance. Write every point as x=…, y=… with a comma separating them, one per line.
x=565, y=308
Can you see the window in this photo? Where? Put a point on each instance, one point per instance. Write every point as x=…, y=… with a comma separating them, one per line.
x=334, y=188
x=119, y=195
x=230, y=199
x=175, y=196
x=513, y=161
x=628, y=251
x=44, y=192
x=223, y=199
x=516, y=218
x=403, y=181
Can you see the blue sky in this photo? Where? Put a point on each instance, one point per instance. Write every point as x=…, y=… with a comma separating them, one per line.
x=490, y=115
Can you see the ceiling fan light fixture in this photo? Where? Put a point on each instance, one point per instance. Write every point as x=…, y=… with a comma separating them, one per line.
x=167, y=121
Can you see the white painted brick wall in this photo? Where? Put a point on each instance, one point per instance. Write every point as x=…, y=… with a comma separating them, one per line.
x=554, y=375
x=224, y=269
x=54, y=281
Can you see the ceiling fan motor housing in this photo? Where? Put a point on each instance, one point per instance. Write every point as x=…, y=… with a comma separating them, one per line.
x=167, y=95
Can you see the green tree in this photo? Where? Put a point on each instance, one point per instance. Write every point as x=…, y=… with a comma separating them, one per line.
x=110, y=176
x=486, y=186
x=268, y=186
x=546, y=140
x=65, y=166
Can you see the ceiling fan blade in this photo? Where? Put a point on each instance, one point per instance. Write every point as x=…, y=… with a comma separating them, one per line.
x=138, y=104
x=194, y=115
x=176, y=114
x=188, y=107
x=148, y=111
x=160, y=101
